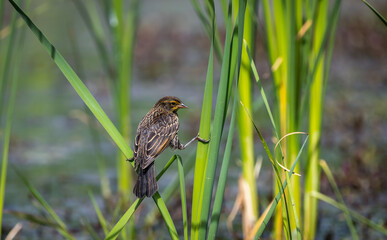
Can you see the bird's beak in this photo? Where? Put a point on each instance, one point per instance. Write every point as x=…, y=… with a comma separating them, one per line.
x=182, y=105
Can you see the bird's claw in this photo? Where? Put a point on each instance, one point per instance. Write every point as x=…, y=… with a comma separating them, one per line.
x=201, y=139
x=130, y=159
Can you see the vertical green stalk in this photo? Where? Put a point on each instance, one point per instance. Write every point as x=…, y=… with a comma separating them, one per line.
x=244, y=122
x=204, y=132
x=9, y=110
x=125, y=31
x=315, y=118
x=7, y=129
x=293, y=120
x=316, y=99
x=5, y=148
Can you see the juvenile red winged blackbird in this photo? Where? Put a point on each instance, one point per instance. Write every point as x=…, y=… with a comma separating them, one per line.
x=156, y=131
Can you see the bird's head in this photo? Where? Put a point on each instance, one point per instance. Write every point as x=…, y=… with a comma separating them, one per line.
x=170, y=103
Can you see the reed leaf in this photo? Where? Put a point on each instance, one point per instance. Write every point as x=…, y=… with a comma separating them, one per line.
x=219, y=195
x=183, y=196
x=8, y=110
x=202, y=149
x=380, y=16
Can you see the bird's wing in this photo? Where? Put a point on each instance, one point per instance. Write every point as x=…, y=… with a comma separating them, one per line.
x=158, y=136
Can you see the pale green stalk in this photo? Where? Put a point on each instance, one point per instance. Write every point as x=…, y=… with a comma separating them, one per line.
x=244, y=124
x=125, y=30
x=316, y=103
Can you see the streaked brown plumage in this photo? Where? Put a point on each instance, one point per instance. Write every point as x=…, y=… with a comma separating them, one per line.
x=156, y=131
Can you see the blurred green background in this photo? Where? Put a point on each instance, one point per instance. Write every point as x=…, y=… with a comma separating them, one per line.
x=51, y=144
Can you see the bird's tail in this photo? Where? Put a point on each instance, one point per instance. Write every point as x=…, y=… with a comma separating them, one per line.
x=146, y=184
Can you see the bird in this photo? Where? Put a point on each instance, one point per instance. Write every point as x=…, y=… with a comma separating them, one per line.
x=156, y=131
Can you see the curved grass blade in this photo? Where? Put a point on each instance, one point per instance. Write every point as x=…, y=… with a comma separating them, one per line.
x=279, y=194
x=183, y=196
x=354, y=214
x=129, y=213
x=101, y=218
x=62, y=226
x=77, y=84
x=33, y=218
x=376, y=12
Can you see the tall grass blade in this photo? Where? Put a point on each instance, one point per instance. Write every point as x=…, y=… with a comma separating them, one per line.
x=336, y=190
x=183, y=196
x=320, y=61
x=376, y=12
x=245, y=127
x=202, y=149
x=8, y=111
x=219, y=196
x=5, y=147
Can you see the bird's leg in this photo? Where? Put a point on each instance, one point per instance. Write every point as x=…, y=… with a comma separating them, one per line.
x=196, y=138
x=130, y=159
x=175, y=143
